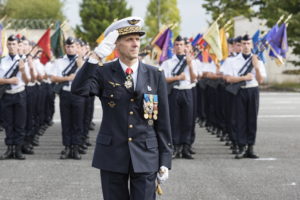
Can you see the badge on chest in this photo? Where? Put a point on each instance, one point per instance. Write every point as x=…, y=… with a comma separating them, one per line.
x=150, y=106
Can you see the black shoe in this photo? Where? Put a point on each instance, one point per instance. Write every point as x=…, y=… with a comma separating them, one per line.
x=76, y=154
x=177, y=151
x=218, y=133
x=87, y=142
x=191, y=151
x=27, y=150
x=1, y=128
x=81, y=150
x=186, y=153
x=65, y=154
x=50, y=123
x=18, y=153
x=235, y=149
x=250, y=153
x=241, y=153
x=92, y=126
x=8, y=153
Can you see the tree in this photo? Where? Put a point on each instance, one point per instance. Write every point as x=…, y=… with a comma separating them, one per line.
x=31, y=10
x=230, y=8
x=271, y=10
x=161, y=12
x=97, y=15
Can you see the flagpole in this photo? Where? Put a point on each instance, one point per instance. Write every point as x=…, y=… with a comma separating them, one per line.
x=280, y=19
x=287, y=19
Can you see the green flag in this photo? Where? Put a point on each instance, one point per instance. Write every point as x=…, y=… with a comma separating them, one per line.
x=57, y=43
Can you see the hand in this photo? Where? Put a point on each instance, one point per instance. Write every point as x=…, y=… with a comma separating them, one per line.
x=181, y=76
x=71, y=77
x=255, y=61
x=107, y=45
x=21, y=65
x=13, y=80
x=189, y=59
x=248, y=77
x=163, y=174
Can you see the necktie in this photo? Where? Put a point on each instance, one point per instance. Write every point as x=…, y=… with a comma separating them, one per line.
x=129, y=79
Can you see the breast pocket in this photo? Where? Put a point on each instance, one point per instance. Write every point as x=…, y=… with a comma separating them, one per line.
x=111, y=94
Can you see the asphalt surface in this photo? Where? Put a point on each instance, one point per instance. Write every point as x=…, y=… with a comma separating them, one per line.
x=212, y=175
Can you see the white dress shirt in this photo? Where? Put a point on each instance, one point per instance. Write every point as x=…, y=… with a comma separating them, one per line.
x=168, y=67
x=233, y=66
x=5, y=65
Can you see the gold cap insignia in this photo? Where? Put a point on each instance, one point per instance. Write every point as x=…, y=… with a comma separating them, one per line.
x=133, y=21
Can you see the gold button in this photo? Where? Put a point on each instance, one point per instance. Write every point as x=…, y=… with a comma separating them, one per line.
x=129, y=139
x=131, y=113
x=111, y=95
x=130, y=126
x=132, y=100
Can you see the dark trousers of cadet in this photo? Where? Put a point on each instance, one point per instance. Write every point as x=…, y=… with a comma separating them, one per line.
x=89, y=111
x=247, y=104
x=195, y=105
x=52, y=101
x=72, y=115
x=42, y=103
x=201, y=103
x=211, y=100
x=14, y=117
x=220, y=99
x=48, y=103
x=115, y=185
x=181, y=115
x=31, y=98
x=1, y=111
x=230, y=116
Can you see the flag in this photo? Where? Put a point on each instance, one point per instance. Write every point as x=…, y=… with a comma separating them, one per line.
x=224, y=45
x=162, y=30
x=100, y=38
x=57, y=43
x=256, y=40
x=212, y=37
x=164, y=43
x=45, y=44
x=196, y=39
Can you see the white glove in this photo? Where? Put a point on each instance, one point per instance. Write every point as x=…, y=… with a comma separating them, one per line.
x=106, y=47
x=163, y=174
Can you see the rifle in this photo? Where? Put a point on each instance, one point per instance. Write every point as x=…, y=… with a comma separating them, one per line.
x=72, y=67
x=5, y=87
x=182, y=65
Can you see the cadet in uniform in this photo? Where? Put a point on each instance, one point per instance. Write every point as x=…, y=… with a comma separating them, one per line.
x=12, y=73
x=71, y=105
x=181, y=98
x=134, y=141
x=247, y=100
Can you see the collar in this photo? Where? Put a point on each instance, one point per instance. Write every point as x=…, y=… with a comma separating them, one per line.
x=240, y=56
x=134, y=67
x=17, y=57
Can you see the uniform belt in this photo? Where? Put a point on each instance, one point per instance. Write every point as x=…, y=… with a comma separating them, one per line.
x=187, y=87
x=30, y=84
x=249, y=86
x=15, y=91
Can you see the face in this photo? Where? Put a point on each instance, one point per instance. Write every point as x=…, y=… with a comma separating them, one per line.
x=179, y=47
x=246, y=46
x=189, y=48
x=128, y=46
x=70, y=49
x=12, y=47
x=26, y=47
x=237, y=47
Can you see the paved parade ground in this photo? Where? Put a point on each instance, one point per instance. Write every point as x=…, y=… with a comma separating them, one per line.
x=213, y=175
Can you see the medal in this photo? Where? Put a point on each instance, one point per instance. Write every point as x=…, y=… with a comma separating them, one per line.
x=150, y=122
x=146, y=116
x=154, y=116
x=128, y=84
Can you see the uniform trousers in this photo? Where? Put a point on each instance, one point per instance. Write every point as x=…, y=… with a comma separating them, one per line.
x=181, y=115
x=247, y=104
x=14, y=117
x=72, y=116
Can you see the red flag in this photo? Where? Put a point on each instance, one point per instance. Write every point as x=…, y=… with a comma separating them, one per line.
x=44, y=43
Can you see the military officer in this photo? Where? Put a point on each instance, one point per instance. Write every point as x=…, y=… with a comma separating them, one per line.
x=13, y=75
x=247, y=100
x=134, y=141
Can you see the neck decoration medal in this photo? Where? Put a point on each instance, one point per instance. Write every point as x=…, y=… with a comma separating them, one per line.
x=129, y=80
